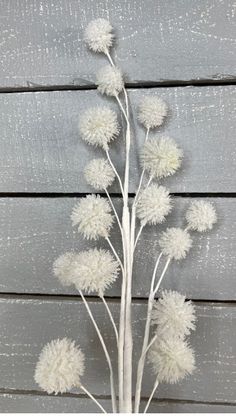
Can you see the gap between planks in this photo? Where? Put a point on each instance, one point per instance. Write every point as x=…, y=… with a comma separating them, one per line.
x=6, y=391
x=96, y=299
x=137, y=85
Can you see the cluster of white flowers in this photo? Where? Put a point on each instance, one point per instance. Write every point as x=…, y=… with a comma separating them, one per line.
x=173, y=316
x=99, y=126
x=110, y=81
x=201, y=216
x=99, y=36
x=161, y=157
x=89, y=271
x=171, y=360
x=99, y=174
x=153, y=205
x=60, y=366
x=152, y=111
x=171, y=357
x=93, y=216
x=175, y=243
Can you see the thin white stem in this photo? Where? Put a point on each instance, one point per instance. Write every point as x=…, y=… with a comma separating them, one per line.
x=149, y=182
x=162, y=275
x=114, y=210
x=121, y=344
x=93, y=399
x=111, y=317
x=141, y=362
x=151, y=396
x=138, y=234
x=122, y=109
x=116, y=255
x=126, y=102
x=150, y=344
x=113, y=393
x=115, y=171
x=110, y=58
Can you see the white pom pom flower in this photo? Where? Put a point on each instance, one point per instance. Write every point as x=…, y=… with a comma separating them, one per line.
x=161, y=157
x=173, y=316
x=153, y=205
x=171, y=360
x=201, y=216
x=60, y=366
x=98, y=35
x=94, y=271
x=175, y=243
x=99, y=174
x=110, y=81
x=99, y=126
x=62, y=268
x=152, y=111
x=93, y=216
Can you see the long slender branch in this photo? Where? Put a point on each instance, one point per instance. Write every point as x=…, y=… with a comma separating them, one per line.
x=115, y=171
x=111, y=318
x=145, y=339
x=93, y=399
x=116, y=255
x=114, y=210
x=113, y=393
x=151, y=396
x=138, y=234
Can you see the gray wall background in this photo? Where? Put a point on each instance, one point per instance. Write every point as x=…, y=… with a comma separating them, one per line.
x=183, y=51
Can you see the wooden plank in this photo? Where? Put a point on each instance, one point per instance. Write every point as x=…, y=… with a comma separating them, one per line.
x=19, y=403
x=34, y=232
x=41, y=150
x=42, y=42
x=26, y=325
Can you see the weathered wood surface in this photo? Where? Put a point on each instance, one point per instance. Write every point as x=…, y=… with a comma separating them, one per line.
x=42, y=42
x=34, y=232
x=15, y=403
x=21, y=342
x=41, y=150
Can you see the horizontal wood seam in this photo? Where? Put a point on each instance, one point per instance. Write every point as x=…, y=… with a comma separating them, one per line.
x=96, y=299
x=53, y=195
x=6, y=391
x=134, y=85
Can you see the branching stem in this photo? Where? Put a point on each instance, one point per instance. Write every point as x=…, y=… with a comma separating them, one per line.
x=111, y=318
x=113, y=393
x=115, y=171
x=151, y=396
x=93, y=399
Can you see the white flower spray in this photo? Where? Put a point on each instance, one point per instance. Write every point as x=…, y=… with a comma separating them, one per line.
x=170, y=319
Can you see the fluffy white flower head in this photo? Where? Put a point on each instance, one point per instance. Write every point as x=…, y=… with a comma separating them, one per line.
x=93, y=216
x=171, y=360
x=98, y=35
x=98, y=126
x=153, y=205
x=201, y=216
x=173, y=316
x=161, y=157
x=99, y=174
x=62, y=268
x=60, y=366
x=94, y=271
x=152, y=111
x=110, y=81
x=175, y=243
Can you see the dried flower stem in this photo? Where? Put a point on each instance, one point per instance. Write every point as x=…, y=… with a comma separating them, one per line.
x=146, y=337
x=151, y=396
x=111, y=318
x=115, y=171
x=115, y=254
x=113, y=393
x=93, y=399
x=114, y=210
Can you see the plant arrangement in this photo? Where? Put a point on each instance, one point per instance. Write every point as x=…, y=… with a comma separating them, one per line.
x=171, y=318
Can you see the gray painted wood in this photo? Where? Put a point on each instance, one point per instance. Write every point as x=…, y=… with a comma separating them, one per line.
x=27, y=324
x=34, y=232
x=18, y=403
x=40, y=148
x=42, y=42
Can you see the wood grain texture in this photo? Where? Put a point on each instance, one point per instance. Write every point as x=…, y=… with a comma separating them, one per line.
x=41, y=150
x=26, y=325
x=21, y=403
x=42, y=42
x=34, y=232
